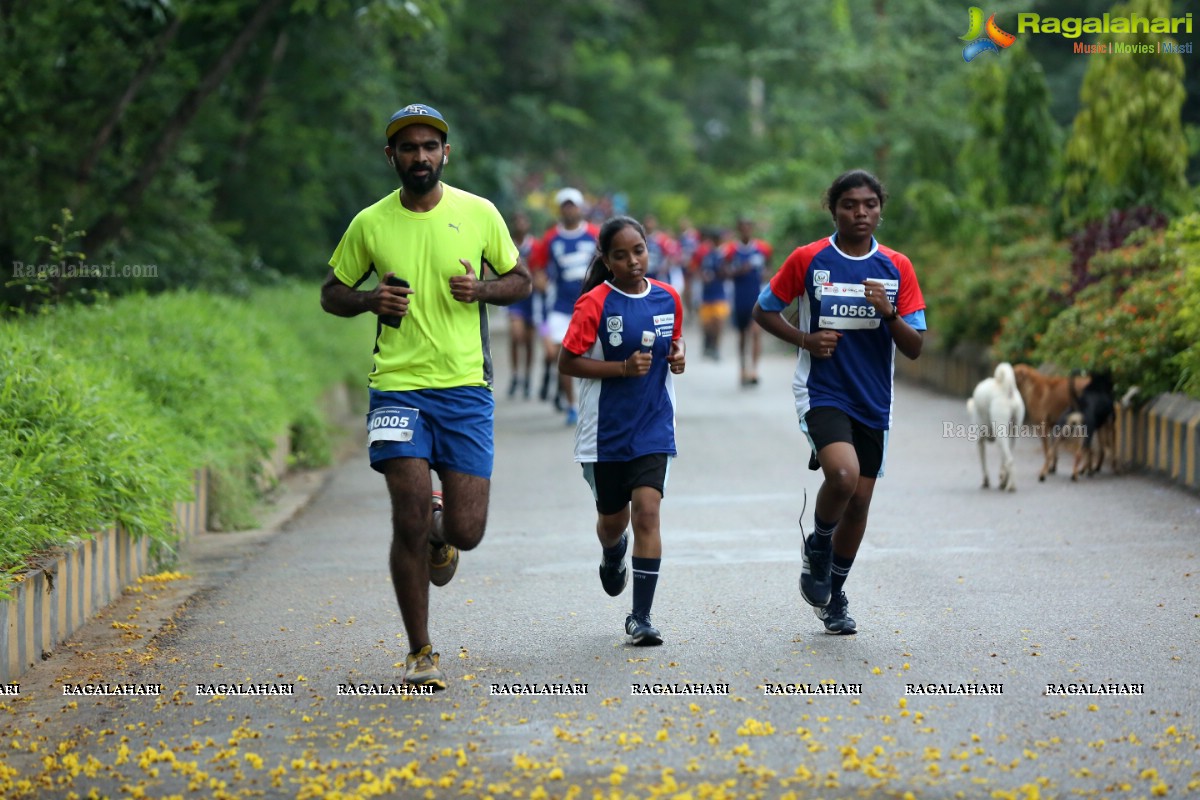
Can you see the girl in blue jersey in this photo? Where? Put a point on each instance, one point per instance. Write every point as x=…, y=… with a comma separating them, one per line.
x=625, y=342
x=859, y=303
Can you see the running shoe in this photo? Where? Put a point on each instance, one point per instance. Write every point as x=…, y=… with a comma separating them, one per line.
x=421, y=669
x=836, y=617
x=641, y=632
x=815, y=579
x=572, y=415
x=614, y=577
x=443, y=557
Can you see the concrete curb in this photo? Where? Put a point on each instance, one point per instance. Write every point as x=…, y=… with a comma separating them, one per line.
x=55, y=601
x=69, y=587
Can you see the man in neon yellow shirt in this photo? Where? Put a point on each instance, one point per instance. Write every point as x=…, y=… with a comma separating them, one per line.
x=431, y=386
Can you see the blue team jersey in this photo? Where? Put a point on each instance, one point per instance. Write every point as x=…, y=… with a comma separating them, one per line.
x=713, y=290
x=525, y=308
x=829, y=283
x=752, y=257
x=568, y=256
x=624, y=418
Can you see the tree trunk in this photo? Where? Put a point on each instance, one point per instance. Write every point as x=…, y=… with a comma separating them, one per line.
x=130, y=196
x=92, y=154
x=254, y=109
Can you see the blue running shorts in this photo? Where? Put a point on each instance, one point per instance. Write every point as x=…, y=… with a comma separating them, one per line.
x=450, y=428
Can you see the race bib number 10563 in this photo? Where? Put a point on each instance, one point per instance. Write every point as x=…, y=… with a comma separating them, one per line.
x=844, y=307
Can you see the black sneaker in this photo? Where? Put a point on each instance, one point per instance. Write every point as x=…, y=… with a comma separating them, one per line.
x=613, y=577
x=815, y=579
x=641, y=632
x=836, y=617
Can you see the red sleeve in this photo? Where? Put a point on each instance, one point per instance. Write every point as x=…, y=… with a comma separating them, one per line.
x=765, y=249
x=910, y=298
x=671, y=247
x=788, y=283
x=585, y=321
x=677, y=334
x=540, y=256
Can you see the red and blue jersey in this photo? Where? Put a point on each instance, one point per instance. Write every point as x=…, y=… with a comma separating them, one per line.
x=566, y=255
x=624, y=418
x=746, y=262
x=829, y=283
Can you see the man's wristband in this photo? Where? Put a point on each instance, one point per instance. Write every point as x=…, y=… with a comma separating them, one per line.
x=892, y=317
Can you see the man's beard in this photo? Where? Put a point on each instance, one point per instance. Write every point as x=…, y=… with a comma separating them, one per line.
x=422, y=184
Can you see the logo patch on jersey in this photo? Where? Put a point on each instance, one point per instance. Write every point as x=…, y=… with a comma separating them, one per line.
x=820, y=279
x=614, y=339
x=664, y=319
x=616, y=324
x=453, y=225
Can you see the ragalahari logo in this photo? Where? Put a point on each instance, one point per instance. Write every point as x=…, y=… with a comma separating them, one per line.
x=984, y=38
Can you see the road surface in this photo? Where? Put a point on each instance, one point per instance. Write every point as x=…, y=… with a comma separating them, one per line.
x=978, y=612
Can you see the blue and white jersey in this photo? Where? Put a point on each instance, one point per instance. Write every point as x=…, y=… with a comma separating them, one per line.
x=624, y=418
x=829, y=283
x=568, y=254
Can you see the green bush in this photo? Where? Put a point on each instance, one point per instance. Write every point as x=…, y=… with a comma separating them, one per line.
x=1124, y=322
x=79, y=451
x=1183, y=246
x=979, y=296
x=106, y=410
x=1032, y=306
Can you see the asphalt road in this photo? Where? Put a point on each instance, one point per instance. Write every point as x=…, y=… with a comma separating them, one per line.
x=1061, y=583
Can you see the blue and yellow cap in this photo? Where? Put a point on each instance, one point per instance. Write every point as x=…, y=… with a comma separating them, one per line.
x=416, y=114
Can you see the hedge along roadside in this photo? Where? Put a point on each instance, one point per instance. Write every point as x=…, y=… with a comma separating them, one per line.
x=105, y=410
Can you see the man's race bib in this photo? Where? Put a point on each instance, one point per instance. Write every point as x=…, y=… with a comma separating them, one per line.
x=844, y=306
x=391, y=424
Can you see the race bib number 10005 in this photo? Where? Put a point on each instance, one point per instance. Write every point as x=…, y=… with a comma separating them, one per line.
x=391, y=424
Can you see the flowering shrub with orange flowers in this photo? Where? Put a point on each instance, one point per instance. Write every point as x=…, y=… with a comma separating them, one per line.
x=1184, y=236
x=1120, y=298
x=1127, y=320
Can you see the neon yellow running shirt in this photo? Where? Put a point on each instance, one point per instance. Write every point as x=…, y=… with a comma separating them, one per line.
x=441, y=343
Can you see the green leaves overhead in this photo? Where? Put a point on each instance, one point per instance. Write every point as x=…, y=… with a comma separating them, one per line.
x=1127, y=145
x=229, y=142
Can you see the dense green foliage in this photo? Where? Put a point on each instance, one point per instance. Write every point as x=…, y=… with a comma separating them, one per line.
x=1183, y=241
x=228, y=143
x=1127, y=146
x=105, y=411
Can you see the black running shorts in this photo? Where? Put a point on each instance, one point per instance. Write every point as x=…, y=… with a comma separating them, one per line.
x=613, y=482
x=825, y=426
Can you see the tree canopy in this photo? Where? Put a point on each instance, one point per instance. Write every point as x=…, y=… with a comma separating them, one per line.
x=229, y=142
